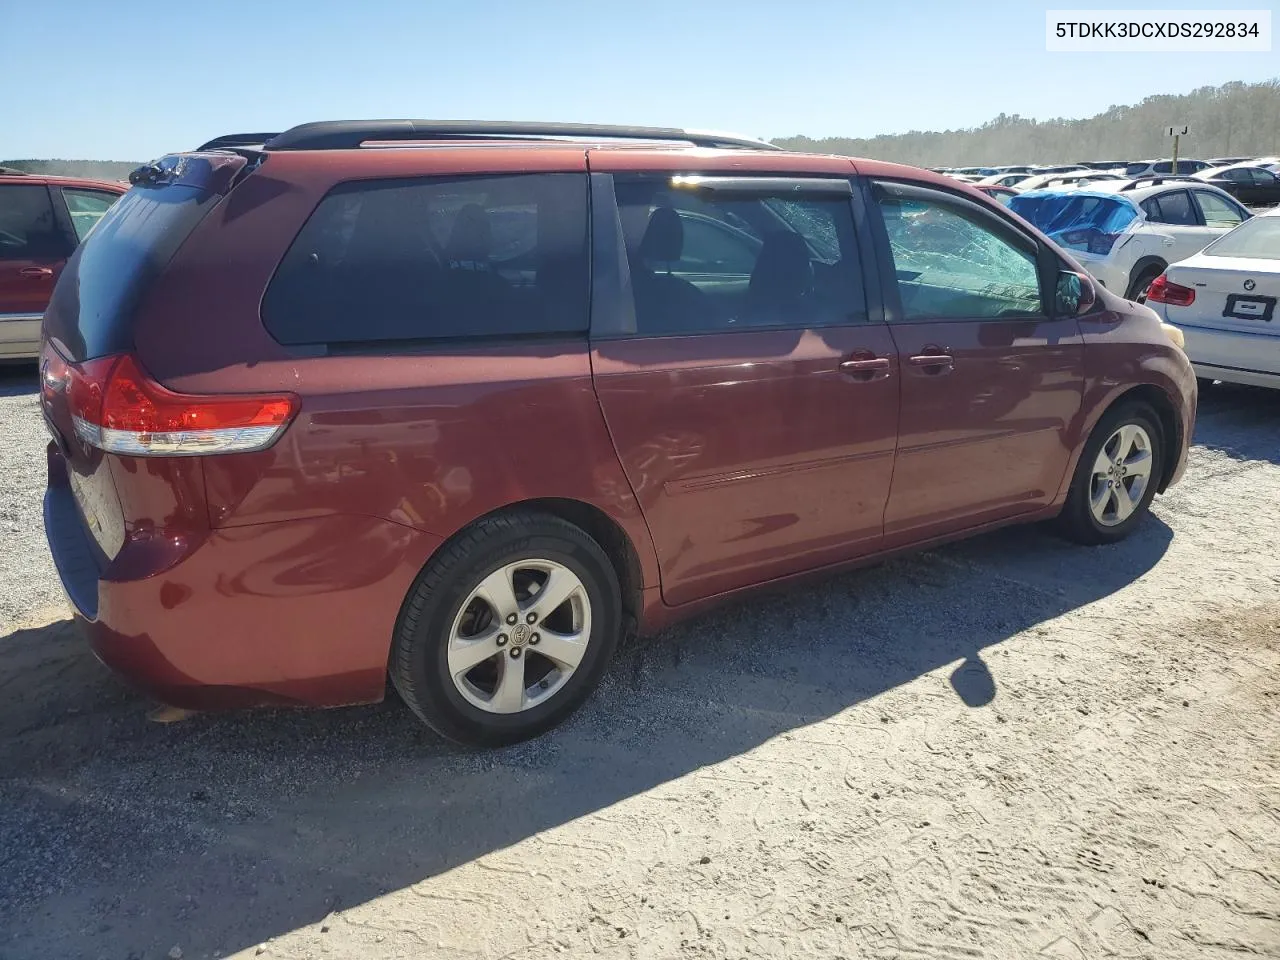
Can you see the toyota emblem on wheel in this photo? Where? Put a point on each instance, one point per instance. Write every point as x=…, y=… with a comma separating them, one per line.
x=1249, y=284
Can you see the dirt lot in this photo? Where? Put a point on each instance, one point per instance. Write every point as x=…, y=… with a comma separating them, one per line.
x=1006, y=748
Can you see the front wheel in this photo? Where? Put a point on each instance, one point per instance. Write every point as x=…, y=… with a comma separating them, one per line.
x=507, y=630
x=1116, y=477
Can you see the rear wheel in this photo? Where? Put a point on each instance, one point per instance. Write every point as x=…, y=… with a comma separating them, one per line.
x=1139, y=285
x=1116, y=477
x=507, y=630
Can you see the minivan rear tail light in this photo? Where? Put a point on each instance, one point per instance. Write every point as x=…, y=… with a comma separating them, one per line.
x=116, y=407
x=1175, y=294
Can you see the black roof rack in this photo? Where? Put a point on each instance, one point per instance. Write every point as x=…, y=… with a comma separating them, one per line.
x=1154, y=180
x=236, y=140
x=347, y=134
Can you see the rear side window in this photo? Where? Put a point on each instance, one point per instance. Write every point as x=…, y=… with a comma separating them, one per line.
x=28, y=230
x=1172, y=208
x=87, y=207
x=436, y=258
x=745, y=258
x=1218, y=212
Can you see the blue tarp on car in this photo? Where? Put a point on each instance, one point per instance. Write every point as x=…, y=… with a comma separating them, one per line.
x=1077, y=219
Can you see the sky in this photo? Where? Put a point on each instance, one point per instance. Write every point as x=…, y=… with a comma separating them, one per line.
x=132, y=81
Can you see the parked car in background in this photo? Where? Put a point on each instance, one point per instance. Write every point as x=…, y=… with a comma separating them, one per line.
x=1224, y=300
x=998, y=193
x=1060, y=168
x=1250, y=184
x=1103, y=164
x=1004, y=179
x=42, y=218
x=1076, y=178
x=467, y=416
x=1227, y=161
x=1126, y=232
x=1149, y=168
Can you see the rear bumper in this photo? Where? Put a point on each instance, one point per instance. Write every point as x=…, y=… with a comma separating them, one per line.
x=1233, y=356
x=299, y=612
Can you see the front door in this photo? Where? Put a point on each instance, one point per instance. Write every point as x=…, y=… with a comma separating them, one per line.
x=990, y=382
x=752, y=401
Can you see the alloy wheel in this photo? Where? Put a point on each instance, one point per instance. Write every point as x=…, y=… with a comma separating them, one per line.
x=519, y=636
x=1121, y=473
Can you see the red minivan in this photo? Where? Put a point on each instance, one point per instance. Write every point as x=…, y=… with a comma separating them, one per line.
x=463, y=404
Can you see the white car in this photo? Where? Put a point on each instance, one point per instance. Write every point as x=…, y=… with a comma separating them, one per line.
x=1125, y=232
x=1224, y=301
x=1159, y=168
x=1008, y=179
x=1054, y=181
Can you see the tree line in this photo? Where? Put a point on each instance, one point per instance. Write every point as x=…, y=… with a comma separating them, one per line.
x=1235, y=119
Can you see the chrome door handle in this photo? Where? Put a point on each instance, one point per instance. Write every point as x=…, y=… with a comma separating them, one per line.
x=932, y=363
x=875, y=368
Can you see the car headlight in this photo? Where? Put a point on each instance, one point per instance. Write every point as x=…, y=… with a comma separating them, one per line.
x=1174, y=334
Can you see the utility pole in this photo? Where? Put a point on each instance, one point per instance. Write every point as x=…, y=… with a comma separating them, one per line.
x=1177, y=133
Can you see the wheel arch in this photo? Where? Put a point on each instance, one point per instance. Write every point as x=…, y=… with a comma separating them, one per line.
x=1143, y=265
x=597, y=524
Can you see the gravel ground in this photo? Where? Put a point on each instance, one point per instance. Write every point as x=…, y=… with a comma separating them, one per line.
x=1010, y=747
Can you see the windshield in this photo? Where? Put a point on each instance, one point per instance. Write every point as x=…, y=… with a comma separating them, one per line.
x=1257, y=239
x=1075, y=220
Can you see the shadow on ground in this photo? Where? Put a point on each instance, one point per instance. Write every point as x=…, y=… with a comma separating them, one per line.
x=1242, y=422
x=222, y=831
x=18, y=377
x=121, y=838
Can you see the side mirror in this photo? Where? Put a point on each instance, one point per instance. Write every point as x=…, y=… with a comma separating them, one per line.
x=1074, y=294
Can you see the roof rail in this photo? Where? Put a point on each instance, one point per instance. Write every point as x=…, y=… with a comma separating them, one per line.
x=1154, y=180
x=347, y=134
x=236, y=140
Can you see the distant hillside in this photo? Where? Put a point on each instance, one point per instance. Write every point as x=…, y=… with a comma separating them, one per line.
x=96, y=169
x=1236, y=119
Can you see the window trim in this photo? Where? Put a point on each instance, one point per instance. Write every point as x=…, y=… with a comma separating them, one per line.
x=1048, y=263
x=612, y=298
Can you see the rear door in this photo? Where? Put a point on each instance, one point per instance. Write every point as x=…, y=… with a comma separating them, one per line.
x=1263, y=187
x=990, y=380
x=750, y=390
x=33, y=249
x=1178, y=219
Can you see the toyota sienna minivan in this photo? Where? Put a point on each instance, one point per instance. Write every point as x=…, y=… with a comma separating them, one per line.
x=461, y=405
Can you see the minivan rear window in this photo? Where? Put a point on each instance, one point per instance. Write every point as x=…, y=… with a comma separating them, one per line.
x=436, y=258
x=91, y=311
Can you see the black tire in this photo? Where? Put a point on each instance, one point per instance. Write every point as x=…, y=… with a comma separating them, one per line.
x=419, y=665
x=1137, y=291
x=1077, y=522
